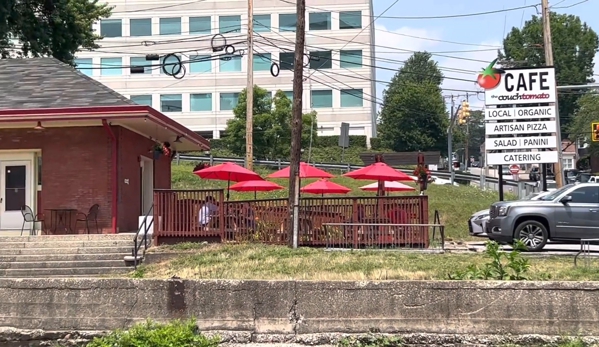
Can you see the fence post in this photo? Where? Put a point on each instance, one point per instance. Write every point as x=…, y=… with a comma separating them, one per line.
x=348, y=167
x=279, y=164
x=178, y=158
x=211, y=160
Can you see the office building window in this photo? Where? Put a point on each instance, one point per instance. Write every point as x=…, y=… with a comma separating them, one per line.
x=200, y=102
x=320, y=21
x=230, y=65
x=171, y=103
x=141, y=61
x=170, y=26
x=289, y=94
x=140, y=27
x=351, y=59
x=111, y=27
x=262, y=23
x=228, y=101
x=200, y=64
x=322, y=98
x=287, y=22
x=85, y=66
x=229, y=24
x=200, y=25
x=262, y=62
x=111, y=66
x=352, y=98
x=321, y=60
x=170, y=64
x=350, y=20
x=142, y=99
x=286, y=60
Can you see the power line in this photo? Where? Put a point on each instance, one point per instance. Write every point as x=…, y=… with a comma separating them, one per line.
x=441, y=17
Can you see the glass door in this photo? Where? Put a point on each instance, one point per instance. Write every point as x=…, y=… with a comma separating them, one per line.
x=14, y=193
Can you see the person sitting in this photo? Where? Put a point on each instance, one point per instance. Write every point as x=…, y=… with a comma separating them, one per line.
x=207, y=211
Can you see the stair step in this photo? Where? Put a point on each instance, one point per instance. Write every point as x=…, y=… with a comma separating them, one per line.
x=59, y=257
x=66, y=244
x=125, y=250
x=62, y=264
x=66, y=272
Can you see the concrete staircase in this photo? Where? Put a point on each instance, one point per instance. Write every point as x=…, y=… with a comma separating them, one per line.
x=65, y=255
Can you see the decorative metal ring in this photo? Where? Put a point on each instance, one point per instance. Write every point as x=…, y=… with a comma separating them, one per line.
x=173, y=68
x=275, y=69
x=218, y=48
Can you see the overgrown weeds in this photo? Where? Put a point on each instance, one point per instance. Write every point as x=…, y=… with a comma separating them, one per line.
x=503, y=266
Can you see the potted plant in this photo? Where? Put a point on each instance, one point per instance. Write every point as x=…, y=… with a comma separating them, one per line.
x=160, y=149
x=423, y=175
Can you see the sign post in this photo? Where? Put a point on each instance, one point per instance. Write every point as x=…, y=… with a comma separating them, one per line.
x=520, y=117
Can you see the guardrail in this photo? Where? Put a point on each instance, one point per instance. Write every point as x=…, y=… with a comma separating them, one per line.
x=279, y=164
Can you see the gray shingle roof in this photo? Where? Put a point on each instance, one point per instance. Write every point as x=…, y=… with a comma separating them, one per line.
x=48, y=83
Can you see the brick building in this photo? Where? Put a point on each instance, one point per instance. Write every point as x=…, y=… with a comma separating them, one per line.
x=69, y=142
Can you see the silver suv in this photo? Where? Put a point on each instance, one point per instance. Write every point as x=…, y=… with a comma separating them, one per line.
x=565, y=215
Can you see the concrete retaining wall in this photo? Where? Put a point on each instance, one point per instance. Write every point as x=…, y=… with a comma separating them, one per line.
x=292, y=308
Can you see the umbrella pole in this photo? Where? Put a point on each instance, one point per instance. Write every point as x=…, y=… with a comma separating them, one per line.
x=255, y=195
x=228, y=185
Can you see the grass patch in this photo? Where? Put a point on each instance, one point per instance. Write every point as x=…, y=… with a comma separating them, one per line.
x=455, y=204
x=251, y=261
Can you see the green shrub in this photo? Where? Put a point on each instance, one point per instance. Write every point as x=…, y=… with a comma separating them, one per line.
x=503, y=266
x=150, y=334
x=333, y=141
x=375, y=144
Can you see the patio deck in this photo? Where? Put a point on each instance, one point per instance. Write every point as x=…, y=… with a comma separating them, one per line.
x=348, y=222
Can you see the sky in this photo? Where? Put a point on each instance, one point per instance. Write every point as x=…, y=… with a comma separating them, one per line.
x=481, y=35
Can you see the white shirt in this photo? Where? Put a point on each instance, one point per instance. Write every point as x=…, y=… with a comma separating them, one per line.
x=206, y=212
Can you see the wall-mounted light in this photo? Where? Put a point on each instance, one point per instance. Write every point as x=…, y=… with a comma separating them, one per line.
x=39, y=126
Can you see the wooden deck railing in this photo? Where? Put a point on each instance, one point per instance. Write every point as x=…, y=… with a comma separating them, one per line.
x=181, y=215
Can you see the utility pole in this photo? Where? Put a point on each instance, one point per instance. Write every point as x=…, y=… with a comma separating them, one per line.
x=548, y=45
x=450, y=137
x=466, y=158
x=296, y=124
x=249, y=125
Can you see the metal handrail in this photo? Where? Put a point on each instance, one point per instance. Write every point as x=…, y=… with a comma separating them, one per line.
x=585, y=248
x=145, y=227
x=341, y=167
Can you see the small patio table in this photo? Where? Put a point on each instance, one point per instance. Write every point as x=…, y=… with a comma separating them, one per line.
x=62, y=219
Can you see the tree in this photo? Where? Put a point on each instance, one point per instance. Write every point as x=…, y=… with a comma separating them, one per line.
x=574, y=47
x=272, y=125
x=42, y=28
x=413, y=115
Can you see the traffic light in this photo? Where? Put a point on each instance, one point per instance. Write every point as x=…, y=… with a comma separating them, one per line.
x=465, y=109
x=595, y=132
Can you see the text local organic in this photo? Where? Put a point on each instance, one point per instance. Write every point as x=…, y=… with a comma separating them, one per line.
x=521, y=112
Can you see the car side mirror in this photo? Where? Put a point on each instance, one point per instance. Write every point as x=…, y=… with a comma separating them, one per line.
x=566, y=199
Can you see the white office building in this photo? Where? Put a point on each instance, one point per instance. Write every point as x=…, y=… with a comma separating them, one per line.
x=339, y=77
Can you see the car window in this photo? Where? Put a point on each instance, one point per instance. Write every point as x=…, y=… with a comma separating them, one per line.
x=585, y=195
x=556, y=193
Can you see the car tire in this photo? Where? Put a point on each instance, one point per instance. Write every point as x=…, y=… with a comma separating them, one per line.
x=533, y=234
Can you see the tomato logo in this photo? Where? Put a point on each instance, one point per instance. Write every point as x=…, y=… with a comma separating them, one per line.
x=490, y=77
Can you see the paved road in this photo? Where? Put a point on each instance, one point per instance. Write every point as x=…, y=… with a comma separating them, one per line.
x=550, y=248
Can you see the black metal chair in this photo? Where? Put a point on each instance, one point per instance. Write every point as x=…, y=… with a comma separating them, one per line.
x=30, y=217
x=91, y=216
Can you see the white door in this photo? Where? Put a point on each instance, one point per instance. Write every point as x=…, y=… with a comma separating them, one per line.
x=147, y=185
x=15, y=191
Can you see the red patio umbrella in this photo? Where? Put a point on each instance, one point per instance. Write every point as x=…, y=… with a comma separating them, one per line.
x=305, y=171
x=228, y=172
x=388, y=186
x=379, y=172
x=255, y=186
x=324, y=186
